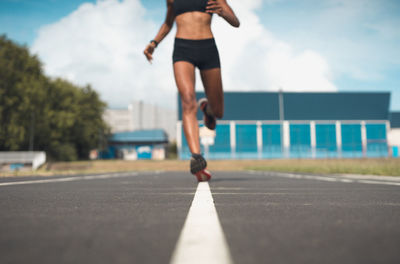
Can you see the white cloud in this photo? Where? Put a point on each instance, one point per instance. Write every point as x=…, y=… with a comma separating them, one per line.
x=102, y=44
x=360, y=38
x=253, y=59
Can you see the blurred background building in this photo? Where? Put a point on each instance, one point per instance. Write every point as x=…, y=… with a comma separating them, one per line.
x=265, y=125
x=142, y=116
x=119, y=120
x=137, y=145
x=394, y=133
x=142, y=131
x=21, y=160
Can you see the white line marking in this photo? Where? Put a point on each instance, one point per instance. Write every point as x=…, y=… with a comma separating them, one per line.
x=379, y=182
x=68, y=179
x=345, y=179
x=202, y=239
x=371, y=177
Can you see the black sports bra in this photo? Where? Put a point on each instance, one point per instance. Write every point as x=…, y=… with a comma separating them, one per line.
x=183, y=6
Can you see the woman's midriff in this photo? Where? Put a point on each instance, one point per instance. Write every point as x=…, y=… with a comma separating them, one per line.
x=194, y=25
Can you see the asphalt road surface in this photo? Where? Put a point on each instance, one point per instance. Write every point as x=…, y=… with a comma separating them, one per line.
x=139, y=218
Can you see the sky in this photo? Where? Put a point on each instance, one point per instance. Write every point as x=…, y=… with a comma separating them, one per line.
x=293, y=45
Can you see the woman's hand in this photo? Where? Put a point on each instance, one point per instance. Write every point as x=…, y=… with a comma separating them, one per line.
x=148, y=51
x=214, y=7
x=222, y=8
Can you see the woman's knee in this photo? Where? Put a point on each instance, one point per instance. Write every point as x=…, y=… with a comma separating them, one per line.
x=189, y=104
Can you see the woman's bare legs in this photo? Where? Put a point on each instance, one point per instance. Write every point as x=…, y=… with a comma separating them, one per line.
x=212, y=82
x=185, y=81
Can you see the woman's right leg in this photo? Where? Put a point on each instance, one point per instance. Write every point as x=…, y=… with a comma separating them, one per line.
x=185, y=81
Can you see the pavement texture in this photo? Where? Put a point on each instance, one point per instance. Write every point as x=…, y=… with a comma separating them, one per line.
x=137, y=218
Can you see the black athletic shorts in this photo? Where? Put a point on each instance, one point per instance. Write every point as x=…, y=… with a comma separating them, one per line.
x=203, y=53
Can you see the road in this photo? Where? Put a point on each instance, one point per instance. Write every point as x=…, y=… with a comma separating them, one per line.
x=139, y=218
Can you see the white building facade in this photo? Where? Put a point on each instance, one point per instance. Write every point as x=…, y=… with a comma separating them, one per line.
x=142, y=116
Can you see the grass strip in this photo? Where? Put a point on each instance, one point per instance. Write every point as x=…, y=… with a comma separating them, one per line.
x=386, y=167
x=379, y=167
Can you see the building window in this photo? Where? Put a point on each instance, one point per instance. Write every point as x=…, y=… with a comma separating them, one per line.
x=271, y=139
x=351, y=140
x=222, y=144
x=376, y=140
x=246, y=141
x=300, y=141
x=326, y=140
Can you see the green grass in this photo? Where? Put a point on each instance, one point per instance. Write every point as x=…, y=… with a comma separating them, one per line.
x=387, y=167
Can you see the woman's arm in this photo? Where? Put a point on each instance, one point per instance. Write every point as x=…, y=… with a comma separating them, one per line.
x=164, y=30
x=222, y=8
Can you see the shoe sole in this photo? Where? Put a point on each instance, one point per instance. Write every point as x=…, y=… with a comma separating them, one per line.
x=203, y=175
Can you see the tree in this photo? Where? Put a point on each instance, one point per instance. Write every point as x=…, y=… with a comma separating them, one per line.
x=20, y=80
x=66, y=120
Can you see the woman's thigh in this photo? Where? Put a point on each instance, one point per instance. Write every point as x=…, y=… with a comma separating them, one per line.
x=185, y=79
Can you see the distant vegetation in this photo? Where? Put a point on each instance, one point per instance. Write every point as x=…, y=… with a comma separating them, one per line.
x=49, y=115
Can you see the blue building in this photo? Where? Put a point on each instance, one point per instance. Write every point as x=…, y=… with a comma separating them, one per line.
x=394, y=135
x=268, y=125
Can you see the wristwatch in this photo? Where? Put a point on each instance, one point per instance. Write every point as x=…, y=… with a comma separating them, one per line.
x=155, y=42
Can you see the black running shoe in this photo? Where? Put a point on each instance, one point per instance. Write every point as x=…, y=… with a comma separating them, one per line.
x=198, y=167
x=209, y=120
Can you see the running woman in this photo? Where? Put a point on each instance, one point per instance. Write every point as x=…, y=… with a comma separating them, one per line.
x=195, y=47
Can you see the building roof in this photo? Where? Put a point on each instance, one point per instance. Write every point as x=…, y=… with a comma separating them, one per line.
x=140, y=137
x=395, y=120
x=303, y=106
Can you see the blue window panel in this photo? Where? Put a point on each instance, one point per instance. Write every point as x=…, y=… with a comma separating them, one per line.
x=222, y=143
x=16, y=166
x=271, y=138
x=246, y=139
x=376, y=131
x=300, y=141
x=144, y=152
x=351, y=140
x=395, y=152
x=326, y=146
x=376, y=140
x=109, y=153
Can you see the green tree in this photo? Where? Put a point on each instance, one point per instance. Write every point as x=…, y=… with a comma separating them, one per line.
x=20, y=80
x=66, y=120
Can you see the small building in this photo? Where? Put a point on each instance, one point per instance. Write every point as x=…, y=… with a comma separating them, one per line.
x=267, y=125
x=137, y=145
x=394, y=134
x=21, y=160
